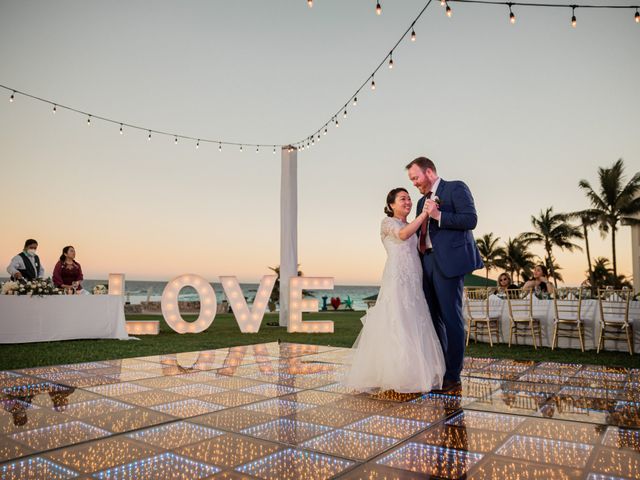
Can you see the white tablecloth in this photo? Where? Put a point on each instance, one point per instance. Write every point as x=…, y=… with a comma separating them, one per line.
x=65, y=317
x=543, y=309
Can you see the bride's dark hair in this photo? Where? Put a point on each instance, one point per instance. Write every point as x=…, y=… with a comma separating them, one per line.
x=391, y=198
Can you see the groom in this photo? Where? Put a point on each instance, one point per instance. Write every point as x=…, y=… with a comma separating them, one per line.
x=448, y=252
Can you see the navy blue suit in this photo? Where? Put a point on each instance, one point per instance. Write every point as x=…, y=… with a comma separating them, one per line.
x=454, y=254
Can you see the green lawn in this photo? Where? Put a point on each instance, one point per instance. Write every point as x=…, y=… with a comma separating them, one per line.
x=224, y=333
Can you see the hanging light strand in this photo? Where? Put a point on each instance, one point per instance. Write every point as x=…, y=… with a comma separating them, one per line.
x=387, y=60
x=90, y=119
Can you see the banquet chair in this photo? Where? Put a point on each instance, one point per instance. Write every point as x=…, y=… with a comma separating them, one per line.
x=568, y=321
x=614, y=317
x=479, y=319
x=522, y=323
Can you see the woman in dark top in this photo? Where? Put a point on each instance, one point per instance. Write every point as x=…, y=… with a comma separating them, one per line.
x=540, y=284
x=67, y=273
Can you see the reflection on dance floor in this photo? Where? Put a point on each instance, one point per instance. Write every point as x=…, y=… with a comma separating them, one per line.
x=278, y=411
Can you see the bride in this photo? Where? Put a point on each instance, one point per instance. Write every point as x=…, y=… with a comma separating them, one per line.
x=398, y=348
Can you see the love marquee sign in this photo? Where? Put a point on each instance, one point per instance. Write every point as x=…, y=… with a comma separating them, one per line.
x=248, y=319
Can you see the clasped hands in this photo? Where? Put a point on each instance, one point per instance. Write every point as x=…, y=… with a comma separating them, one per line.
x=430, y=207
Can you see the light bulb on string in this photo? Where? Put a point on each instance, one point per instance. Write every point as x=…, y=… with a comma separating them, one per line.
x=355, y=101
x=318, y=138
x=219, y=146
x=89, y=120
x=448, y=10
x=241, y=148
x=274, y=149
x=149, y=137
x=443, y=3
x=121, y=131
x=574, y=20
x=310, y=3
x=12, y=97
x=345, y=113
x=55, y=109
x=313, y=140
x=378, y=8
x=413, y=35
x=390, y=60
x=175, y=140
x=198, y=144
x=257, y=149
x=512, y=16
x=637, y=16
x=325, y=130
x=373, y=83
x=336, y=122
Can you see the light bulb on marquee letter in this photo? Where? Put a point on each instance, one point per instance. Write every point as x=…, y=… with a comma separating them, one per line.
x=248, y=321
x=116, y=284
x=297, y=305
x=208, y=304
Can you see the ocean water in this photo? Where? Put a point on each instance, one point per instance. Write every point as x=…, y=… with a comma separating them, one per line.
x=138, y=291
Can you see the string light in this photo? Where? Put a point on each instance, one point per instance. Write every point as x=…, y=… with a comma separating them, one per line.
x=198, y=144
x=355, y=101
x=175, y=140
x=373, y=83
x=345, y=113
x=325, y=130
x=241, y=148
x=149, y=137
x=378, y=8
x=274, y=149
x=257, y=149
x=413, y=35
x=512, y=16
x=390, y=60
x=89, y=120
x=574, y=20
x=310, y=3
x=121, y=132
x=337, y=123
x=219, y=146
x=13, y=94
x=55, y=109
x=637, y=16
x=448, y=10
x=443, y=3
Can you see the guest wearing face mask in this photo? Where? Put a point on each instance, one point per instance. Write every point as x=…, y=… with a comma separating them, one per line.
x=26, y=265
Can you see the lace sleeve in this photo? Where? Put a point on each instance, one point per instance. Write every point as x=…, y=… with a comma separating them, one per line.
x=389, y=227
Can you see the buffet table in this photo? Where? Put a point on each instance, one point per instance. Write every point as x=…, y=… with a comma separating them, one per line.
x=65, y=317
x=544, y=310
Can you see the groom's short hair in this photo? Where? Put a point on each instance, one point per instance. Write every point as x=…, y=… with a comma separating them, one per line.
x=423, y=163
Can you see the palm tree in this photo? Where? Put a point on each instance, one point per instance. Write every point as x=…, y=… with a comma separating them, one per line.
x=614, y=203
x=516, y=257
x=553, y=230
x=603, y=275
x=490, y=252
x=588, y=218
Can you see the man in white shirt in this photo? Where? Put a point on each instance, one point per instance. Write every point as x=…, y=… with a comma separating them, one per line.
x=26, y=265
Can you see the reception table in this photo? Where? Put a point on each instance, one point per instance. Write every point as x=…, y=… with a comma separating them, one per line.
x=65, y=317
x=544, y=311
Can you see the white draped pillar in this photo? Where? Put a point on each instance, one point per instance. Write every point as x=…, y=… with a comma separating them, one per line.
x=288, y=228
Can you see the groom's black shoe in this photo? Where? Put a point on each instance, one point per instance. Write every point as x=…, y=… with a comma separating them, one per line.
x=449, y=387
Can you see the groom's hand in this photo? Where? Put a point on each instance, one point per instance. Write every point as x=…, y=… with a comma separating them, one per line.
x=432, y=209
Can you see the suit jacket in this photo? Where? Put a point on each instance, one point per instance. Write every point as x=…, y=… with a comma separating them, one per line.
x=454, y=247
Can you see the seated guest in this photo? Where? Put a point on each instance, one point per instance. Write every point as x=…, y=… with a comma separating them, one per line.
x=505, y=283
x=26, y=265
x=540, y=285
x=67, y=273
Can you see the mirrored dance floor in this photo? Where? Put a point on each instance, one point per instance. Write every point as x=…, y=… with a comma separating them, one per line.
x=277, y=411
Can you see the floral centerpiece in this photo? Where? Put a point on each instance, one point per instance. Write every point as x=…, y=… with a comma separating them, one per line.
x=100, y=290
x=39, y=287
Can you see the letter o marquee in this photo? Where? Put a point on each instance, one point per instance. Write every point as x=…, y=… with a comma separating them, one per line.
x=208, y=304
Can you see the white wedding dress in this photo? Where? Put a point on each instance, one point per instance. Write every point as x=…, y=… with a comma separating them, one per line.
x=398, y=348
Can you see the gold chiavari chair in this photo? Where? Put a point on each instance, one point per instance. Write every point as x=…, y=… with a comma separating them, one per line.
x=522, y=323
x=479, y=319
x=568, y=321
x=614, y=317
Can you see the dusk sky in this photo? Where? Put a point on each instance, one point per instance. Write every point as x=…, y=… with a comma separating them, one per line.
x=519, y=112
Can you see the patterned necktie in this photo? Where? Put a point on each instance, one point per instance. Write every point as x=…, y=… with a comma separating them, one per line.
x=422, y=246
